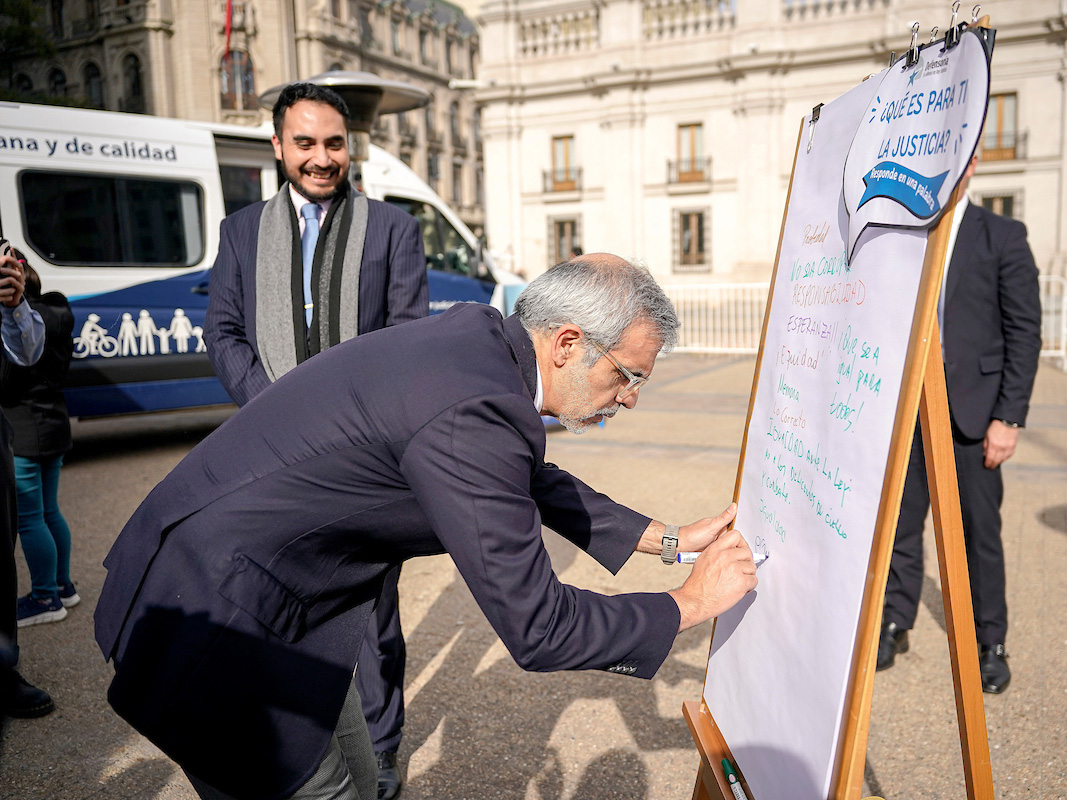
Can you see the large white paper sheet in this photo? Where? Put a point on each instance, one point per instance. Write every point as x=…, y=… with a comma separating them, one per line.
x=816, y=453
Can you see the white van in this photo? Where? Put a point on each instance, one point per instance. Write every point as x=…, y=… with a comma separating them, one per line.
x=121, y=213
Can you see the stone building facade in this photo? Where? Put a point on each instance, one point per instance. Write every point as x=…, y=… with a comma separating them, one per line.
x=665, y=129
x=168, y=57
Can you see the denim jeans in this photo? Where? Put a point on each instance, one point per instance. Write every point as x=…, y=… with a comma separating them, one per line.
x=42, y=528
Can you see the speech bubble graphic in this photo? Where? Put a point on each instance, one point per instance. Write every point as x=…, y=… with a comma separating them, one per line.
x=913, y=146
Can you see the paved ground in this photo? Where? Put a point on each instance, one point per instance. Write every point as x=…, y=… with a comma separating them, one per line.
x=480, y=728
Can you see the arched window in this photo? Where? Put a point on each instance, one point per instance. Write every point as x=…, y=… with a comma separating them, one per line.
x=23, y=83
x=237, y=81
x=93, y=81
x=337, y=66
x=132, y=88
x=57, y=82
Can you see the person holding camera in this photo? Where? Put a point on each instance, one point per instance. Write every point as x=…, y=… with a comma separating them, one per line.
x=41, y=438
x=22, y=334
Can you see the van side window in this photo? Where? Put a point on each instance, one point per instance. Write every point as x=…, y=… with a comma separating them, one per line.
x=241, y=186
x=74, y=219
x=446, y=250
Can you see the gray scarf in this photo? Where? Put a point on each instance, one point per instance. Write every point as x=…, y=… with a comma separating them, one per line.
x=282, y=338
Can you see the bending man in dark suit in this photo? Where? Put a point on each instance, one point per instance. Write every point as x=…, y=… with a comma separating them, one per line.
x=237, y=595
x=990, y=315
x=364, y=271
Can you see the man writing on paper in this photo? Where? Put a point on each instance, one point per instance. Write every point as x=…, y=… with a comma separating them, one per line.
x=237, y=595
x=346, y=265
x=990, y=318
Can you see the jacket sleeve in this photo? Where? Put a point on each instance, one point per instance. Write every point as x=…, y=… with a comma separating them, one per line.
x=607, y=531
x=232, y=355
x=470, y=469
x=1020, y=309
x=408, y=293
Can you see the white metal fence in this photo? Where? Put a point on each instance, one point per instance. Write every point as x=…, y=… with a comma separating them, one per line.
x=719, y=318
x=1054, y=318
x=728, y=317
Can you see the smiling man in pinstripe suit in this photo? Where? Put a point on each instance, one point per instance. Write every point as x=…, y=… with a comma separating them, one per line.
x=359, y=268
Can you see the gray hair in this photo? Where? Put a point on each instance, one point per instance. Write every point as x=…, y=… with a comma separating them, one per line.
x=603, y=296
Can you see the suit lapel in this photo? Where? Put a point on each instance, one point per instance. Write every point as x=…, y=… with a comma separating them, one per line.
x=964, y=249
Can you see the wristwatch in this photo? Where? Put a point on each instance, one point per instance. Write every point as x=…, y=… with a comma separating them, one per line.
x=670, y=545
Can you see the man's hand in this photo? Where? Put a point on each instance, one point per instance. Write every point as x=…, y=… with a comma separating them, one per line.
x=999, y=443
x=722, y=575
x=698, y=535
x=12, y=283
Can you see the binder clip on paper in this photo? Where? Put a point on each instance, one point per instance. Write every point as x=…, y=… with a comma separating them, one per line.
x=913, y=52
x=952, y=35
x=811, y=124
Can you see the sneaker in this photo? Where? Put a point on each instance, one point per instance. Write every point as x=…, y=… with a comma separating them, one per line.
x=68, y=595
x=32, y=611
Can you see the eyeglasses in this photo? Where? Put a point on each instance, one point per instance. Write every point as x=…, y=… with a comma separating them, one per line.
x=634, y=382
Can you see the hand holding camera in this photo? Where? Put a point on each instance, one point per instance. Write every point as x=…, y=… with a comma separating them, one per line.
x=12, y=282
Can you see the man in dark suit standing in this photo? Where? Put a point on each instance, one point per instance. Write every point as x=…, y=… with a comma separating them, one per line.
x=324, y=263
x=237, y=594
x=990, y=316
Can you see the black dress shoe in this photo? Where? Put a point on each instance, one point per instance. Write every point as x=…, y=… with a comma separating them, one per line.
x=993, y=662
x=27, y=701
x=892, y=640
x=389, y=782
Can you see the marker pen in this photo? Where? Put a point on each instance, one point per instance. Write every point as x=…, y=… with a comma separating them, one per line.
x=731, y=777
x=689, y=558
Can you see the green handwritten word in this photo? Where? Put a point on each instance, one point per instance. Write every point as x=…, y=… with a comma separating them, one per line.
x=772, y=519
x=787, y=390
x=868, y=380
x=827, y=265
x=790, y=442
x=835, y=524
x=845, y=411
x=776, y=486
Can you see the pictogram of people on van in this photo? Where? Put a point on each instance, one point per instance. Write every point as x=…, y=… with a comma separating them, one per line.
x=138, y=337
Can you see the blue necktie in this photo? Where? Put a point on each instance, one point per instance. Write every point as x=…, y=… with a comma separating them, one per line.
x=310, y=213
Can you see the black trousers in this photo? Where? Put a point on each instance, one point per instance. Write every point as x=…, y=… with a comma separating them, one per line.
x=981, y=492
x=380, y=677
x=9, y=528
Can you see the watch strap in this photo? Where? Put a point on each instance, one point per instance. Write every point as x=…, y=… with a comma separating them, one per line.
x=670, y=545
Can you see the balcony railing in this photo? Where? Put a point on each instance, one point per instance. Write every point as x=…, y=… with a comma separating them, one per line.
x=1008, y=146
x=563, y=179
x=689, y=170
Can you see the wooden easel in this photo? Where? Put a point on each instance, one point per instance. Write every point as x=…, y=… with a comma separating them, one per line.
x=923, y=390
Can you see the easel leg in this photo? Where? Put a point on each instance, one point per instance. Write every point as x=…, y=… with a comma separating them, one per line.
x=955, y=582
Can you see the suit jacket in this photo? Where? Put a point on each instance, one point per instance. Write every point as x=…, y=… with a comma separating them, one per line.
x=392, y=289
x=992, y=322
x=237, y=595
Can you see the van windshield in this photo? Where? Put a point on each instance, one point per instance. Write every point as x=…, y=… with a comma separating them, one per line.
x=446, y=249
